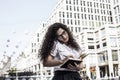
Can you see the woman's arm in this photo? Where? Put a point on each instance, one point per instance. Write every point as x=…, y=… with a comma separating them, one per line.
x=50, y=62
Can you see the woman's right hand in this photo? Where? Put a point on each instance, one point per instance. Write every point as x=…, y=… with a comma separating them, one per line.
x=67, y=57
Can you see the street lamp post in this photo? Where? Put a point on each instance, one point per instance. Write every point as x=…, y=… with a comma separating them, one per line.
x=16, y=75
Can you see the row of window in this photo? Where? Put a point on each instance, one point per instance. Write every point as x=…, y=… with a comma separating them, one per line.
x=104, y=57
x=84, y=3
x=85, y=22
x=33, y=44
x=113, y=43
x=89, y=10
x=34, y=51
x=34, y=68
x=85, y=16
x=82, y=23
x=76, y=29
x=97, y=46
x=96, y=5
x=116, y=1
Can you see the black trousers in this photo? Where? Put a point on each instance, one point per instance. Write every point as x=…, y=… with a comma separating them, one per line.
x=66, y=75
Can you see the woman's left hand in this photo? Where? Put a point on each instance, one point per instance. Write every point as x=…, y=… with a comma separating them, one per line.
x=76, y=67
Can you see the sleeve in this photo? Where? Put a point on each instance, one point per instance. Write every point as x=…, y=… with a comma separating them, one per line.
x=54, y=51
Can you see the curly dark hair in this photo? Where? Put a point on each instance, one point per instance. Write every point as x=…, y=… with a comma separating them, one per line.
x=51, y=36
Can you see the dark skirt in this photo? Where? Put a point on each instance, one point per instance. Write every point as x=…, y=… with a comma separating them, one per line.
x=66, y=75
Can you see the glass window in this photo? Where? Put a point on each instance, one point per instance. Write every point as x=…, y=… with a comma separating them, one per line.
x=104, y=44
x=75, y=29
x=59, y=14
x=63, y=15
x=67, y=14
x=92, y=58
x=66, y=1
x=77, y=8
x=90, y=39
x=70, y=15
x=71, y=22
x=114, y=55
x=70, y=8
x=113, y=42
x=91, y=47
x=101, y=58
x=98, y=46
x=67, y=7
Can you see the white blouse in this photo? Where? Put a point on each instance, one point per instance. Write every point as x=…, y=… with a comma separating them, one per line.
x=59, y=52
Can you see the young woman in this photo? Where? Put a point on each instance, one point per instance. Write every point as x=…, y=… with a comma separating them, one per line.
x=58, y=46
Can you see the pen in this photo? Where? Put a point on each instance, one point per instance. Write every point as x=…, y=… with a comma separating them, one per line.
x=68, y=56
x=65, y=56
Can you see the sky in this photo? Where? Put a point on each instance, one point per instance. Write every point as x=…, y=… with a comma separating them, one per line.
x=19, y=19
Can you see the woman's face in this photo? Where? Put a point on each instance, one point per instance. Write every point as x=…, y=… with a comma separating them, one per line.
x=62, y=35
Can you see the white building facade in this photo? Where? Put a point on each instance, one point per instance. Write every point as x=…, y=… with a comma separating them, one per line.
x=82, y=15
x=103, y=48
